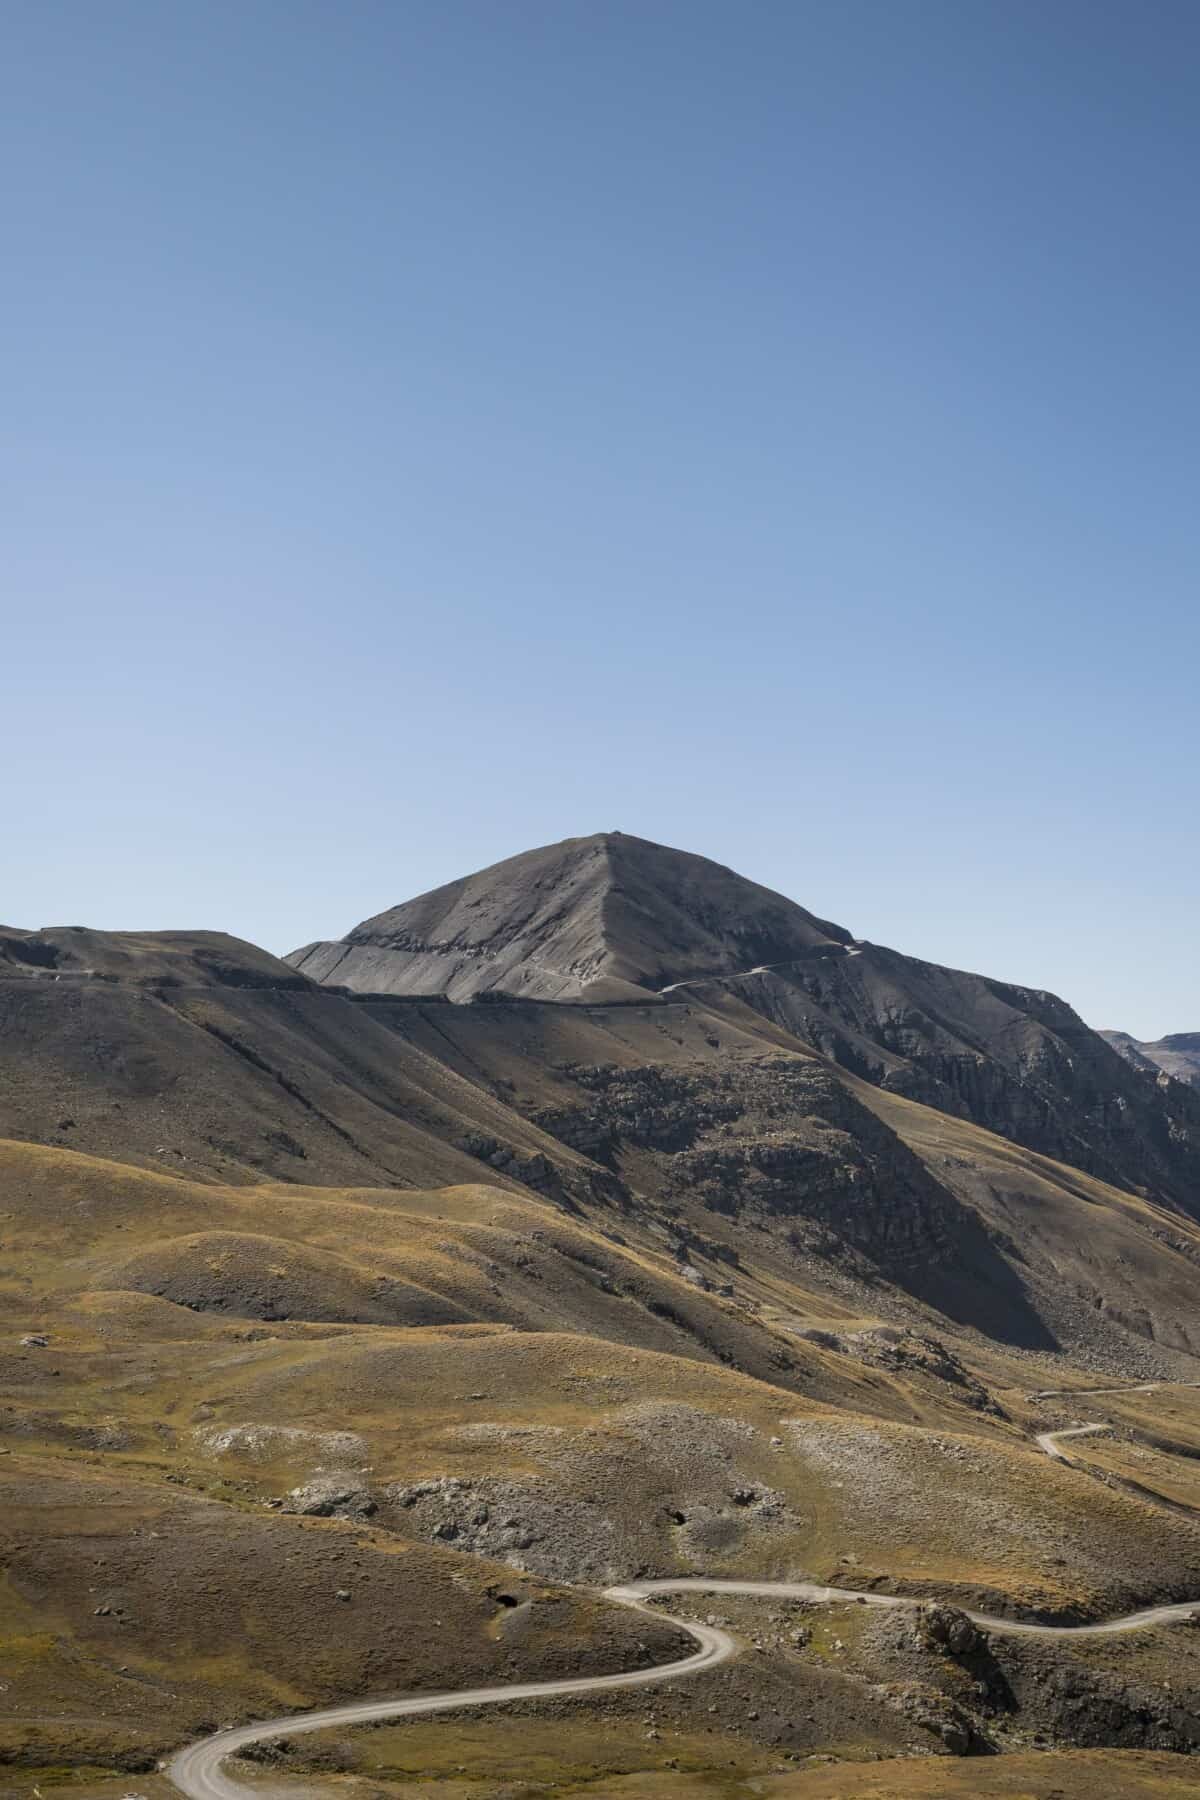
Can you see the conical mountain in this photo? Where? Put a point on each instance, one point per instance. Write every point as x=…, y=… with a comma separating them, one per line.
x=592, y=918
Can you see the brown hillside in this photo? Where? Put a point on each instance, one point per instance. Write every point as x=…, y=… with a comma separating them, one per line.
x=613, y=917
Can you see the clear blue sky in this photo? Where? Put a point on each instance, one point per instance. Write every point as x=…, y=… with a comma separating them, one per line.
x=433, y=429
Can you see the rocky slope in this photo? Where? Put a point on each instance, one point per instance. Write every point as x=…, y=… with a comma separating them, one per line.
x=202, y=1055
x=1177, y=1054
x=687, y=1129
x=615, y=918
x=732, y=1140
x=603, y=917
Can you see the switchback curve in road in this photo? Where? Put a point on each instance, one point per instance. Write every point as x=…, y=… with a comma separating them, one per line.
x=1049, y=1440
x=199, y=1770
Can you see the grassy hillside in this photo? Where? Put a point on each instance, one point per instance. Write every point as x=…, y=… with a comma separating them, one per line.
x=136, y=1614
x=224, y=1064
x=743, y=1137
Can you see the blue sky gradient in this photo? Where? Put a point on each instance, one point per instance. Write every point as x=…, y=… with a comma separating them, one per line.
x=435, y=429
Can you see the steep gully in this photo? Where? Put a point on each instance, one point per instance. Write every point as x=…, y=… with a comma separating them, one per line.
x=199, y=1770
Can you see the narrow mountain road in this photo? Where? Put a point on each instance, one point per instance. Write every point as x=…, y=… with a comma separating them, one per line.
x=1143, y=1387
x=199, y=1771
x=1050, y=1440
x=819, y=953
x=817, y=1595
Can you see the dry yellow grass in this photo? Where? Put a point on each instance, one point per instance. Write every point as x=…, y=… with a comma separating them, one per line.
x=135, y=1615
x=564, y=1381
x=371, y=1256
x=1052, y=1775
x=592, y=1406
x=1062, y=1775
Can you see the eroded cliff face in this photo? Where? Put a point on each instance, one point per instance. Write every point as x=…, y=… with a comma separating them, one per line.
x=775, y=1137
x=778, y=1144
x=1017, y=1061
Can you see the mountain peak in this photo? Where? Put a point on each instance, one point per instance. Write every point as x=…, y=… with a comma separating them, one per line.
x=597, y=918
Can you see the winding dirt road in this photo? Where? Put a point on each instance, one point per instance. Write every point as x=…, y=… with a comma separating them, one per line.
x=1049, y=1440
x=199, y=1772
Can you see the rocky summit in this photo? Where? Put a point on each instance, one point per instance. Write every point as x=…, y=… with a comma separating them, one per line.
x=595, y=918
x=601, y=1266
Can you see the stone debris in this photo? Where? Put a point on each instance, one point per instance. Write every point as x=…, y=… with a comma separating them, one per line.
x=333, y=1496
x=262, y=1443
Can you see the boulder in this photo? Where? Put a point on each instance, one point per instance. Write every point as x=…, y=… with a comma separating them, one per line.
x=948, y=1629
x=331, y=1497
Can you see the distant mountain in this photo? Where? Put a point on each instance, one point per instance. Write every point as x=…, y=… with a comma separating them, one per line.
x=1177, y=1054
x=616, y=918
